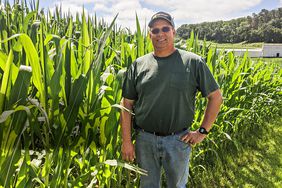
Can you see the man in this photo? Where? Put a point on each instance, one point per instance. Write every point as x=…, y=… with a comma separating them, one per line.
x=160, y=88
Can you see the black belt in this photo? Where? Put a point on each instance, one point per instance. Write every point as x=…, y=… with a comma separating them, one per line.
x=161, y=134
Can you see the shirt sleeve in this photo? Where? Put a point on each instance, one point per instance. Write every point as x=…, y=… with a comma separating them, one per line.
x=129, y=84
x=205, y=80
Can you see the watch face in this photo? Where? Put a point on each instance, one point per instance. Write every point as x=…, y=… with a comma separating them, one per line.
x=203, y=130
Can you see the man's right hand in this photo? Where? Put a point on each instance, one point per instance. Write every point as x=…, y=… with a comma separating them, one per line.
x=128, y=151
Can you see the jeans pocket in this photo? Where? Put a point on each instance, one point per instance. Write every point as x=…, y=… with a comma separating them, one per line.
x=181, y=144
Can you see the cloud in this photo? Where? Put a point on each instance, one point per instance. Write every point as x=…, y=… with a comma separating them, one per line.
x=100, y=7
x=183, y=11
x=68, y=8
x=83, y=2
x=126, y=10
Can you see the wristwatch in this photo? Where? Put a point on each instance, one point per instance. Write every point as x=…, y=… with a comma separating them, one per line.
x=202, y=130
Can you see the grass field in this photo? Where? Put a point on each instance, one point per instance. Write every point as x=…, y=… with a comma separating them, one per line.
x=259, y=164
x=241, y=45
x=271, y=60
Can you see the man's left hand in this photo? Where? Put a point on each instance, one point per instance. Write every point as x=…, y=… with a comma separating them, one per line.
x=193, y=137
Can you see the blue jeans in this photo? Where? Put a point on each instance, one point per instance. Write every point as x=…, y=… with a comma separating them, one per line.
x=169, y=152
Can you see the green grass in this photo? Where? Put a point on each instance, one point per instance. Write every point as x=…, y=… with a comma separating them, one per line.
x=232, y=45
x=259, y=164
x=236, y=45
x=277, y=61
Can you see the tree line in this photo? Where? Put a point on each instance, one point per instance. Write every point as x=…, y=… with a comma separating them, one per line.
x=265, y=26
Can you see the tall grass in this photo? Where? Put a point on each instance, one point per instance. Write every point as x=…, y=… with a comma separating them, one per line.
x=61, y=80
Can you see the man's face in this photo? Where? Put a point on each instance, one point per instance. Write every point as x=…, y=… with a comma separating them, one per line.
x=162, y=35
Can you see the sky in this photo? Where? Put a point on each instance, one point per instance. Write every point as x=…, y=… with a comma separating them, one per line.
x=183, y=11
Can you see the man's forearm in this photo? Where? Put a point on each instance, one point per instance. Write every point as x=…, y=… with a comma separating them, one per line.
x=126, y=120
x=126, y=126
x=212, y=110
x=127, y=148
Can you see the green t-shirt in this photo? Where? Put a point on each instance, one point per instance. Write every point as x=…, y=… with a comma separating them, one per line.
x=164, y=89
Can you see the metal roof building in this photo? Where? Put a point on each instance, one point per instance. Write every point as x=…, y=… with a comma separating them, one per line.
x=272, y=50
x=267, y=50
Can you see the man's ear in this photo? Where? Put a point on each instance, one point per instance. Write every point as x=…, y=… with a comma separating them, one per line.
x=150, y=35
x=174, y=32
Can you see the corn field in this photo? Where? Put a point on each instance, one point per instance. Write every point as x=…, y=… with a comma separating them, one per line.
x=60, y=82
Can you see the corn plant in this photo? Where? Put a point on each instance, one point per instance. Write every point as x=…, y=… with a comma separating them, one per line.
x=252, y=95
x=60, y=89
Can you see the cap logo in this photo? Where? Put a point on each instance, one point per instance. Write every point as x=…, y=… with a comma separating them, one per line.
x=158, y=15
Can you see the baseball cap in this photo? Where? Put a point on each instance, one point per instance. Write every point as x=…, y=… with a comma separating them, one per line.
x=161, y=15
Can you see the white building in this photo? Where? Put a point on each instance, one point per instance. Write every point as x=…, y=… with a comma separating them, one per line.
x=272, y=50
x=251, y=52
x=267, y=50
